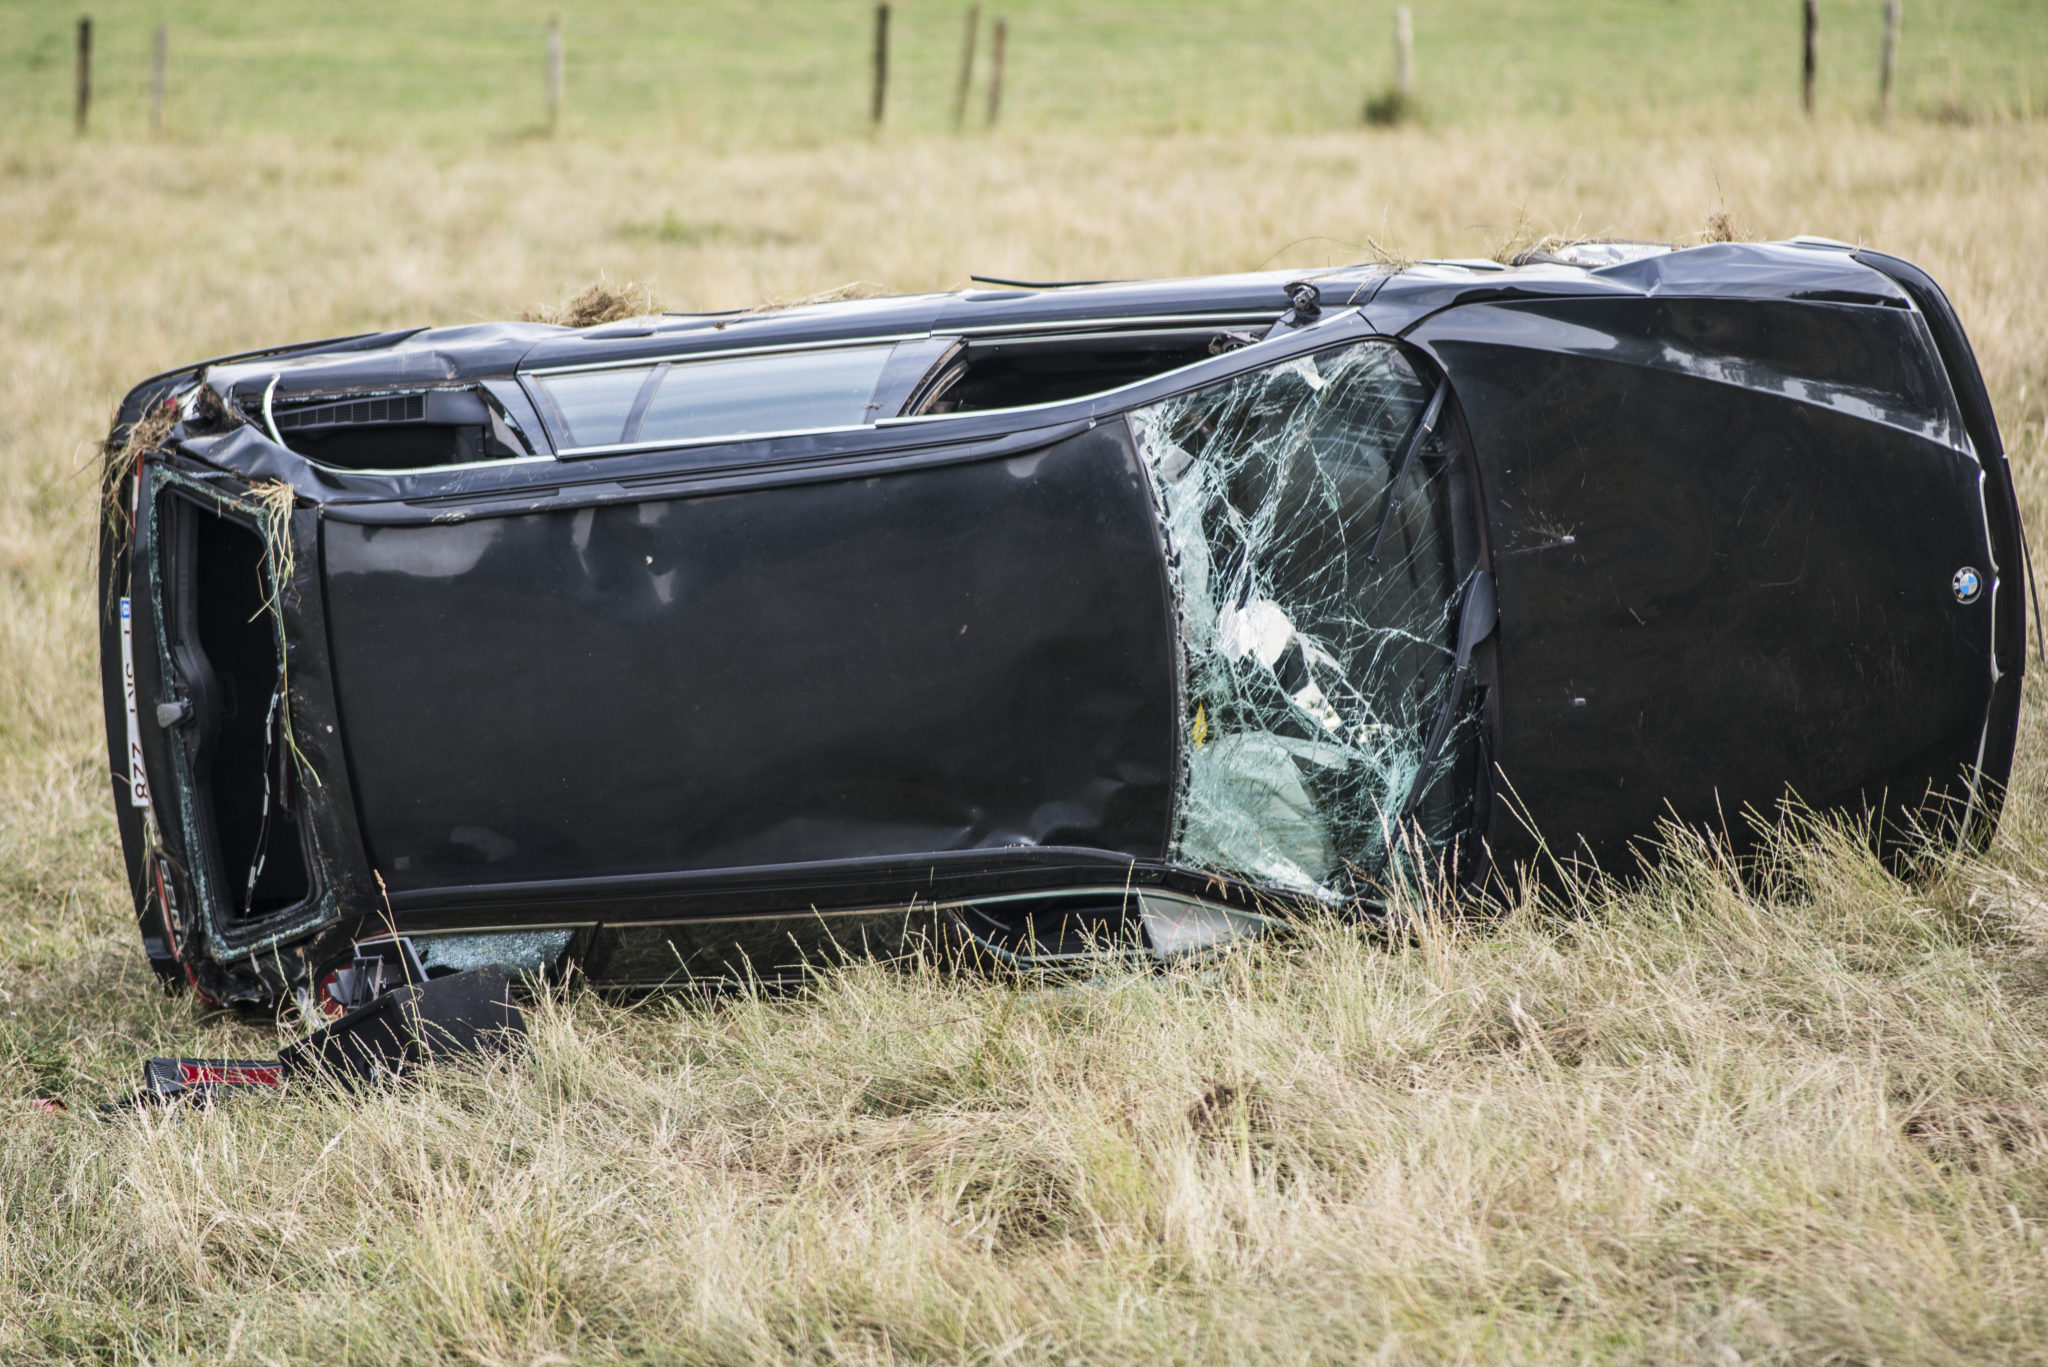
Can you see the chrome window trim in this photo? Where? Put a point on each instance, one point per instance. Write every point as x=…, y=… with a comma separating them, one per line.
x=1181, y=332
x=1144, y=322
x=725, y=439
x=724, y=353
x=512, y=928
x=423, y=469
x=1127, y=322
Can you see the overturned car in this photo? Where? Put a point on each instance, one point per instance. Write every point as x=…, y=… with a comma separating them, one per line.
x=695, y=645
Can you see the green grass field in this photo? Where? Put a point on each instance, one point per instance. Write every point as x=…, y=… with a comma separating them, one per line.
x=1796, y=1115
x=799, y=69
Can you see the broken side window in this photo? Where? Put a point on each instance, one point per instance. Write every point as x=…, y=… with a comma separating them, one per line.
x=225, y=653
x=397, y=429
x=1012, y=372
x=1314, y=669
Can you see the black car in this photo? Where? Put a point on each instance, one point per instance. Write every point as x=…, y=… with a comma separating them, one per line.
x=693, y=645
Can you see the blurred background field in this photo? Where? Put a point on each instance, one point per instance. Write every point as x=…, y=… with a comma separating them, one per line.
x=1708, y=1120
x=798, y=70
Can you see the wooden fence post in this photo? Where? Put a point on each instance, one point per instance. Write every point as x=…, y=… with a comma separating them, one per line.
x=1404, y=54
x=1812, y=27
x=881, y=101
x=160, y=59
x=966, y=67
x=555, y=64
x=999, y=40
x=1889, y=64
x=82, y=115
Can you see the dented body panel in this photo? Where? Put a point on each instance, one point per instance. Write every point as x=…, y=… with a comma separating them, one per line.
x=695, y=645
x=947, y=658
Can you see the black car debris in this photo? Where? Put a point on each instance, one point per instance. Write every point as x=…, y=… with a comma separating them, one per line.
x=696, y=645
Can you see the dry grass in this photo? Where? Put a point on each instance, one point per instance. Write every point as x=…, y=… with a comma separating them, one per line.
x=602, y=302
x=852, y=289
x=1795, y=1115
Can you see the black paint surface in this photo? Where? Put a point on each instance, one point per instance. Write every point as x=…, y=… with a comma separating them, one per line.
x=1712, y=593
x=971, y=656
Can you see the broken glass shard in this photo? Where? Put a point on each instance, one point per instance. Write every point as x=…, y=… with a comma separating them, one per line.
x=1310, y=674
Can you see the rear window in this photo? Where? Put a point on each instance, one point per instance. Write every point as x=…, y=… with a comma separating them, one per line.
x=726, y=397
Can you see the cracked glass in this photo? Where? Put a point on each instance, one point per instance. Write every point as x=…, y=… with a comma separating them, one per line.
x=1313, y=672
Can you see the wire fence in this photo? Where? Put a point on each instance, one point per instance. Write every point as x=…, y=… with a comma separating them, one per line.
x=806, y=69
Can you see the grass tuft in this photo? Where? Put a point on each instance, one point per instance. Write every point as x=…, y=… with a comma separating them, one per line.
x=602, y=302
x=1390, y=109
x=1721, y=228
x=852, y=289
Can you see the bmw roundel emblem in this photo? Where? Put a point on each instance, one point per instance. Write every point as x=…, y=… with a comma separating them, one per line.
x=1967, y=584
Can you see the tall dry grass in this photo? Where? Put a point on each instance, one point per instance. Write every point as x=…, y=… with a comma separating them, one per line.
x=1790, y=1114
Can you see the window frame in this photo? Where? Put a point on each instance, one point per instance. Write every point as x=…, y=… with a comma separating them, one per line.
x=534, y=382
x=940, y=342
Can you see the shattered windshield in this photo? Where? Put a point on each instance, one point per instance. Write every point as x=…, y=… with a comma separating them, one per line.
x=1313, y=671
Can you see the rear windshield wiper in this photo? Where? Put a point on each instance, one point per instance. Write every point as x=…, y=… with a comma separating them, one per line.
x=1417, y=435
x=1476, y=621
